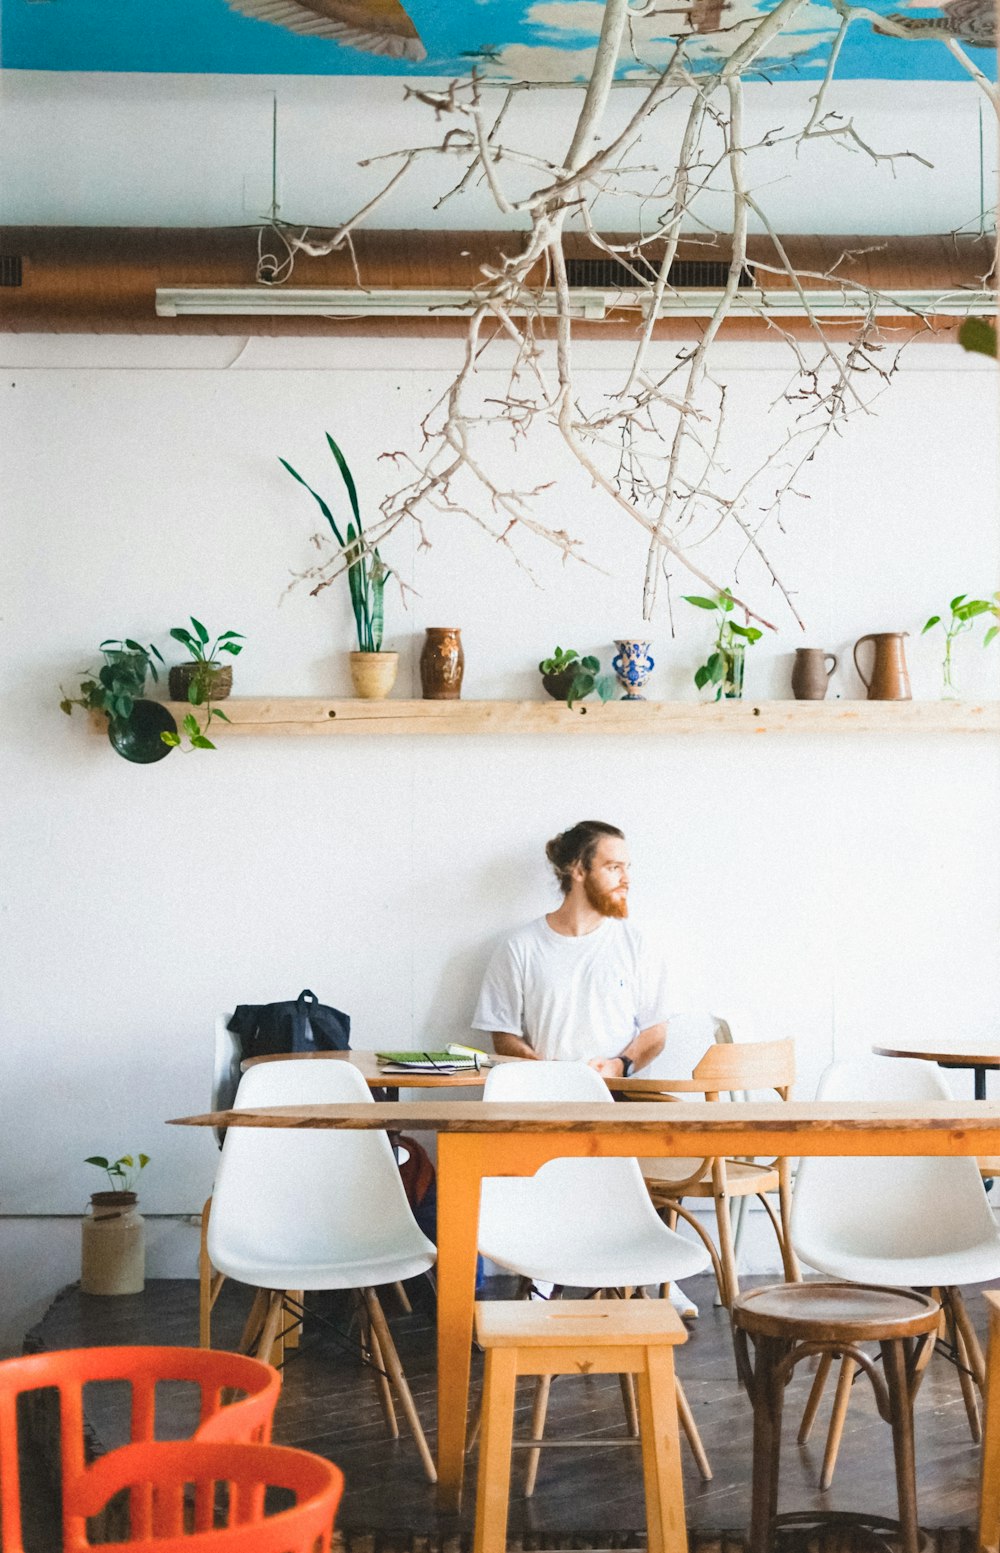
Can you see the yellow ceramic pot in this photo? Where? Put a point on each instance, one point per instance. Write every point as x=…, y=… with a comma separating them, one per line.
x=374, y=674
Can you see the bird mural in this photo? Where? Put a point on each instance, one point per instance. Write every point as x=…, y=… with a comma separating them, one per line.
x=970, y=21
x=374, y=26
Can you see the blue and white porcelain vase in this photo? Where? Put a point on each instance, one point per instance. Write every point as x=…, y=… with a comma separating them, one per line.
x=633, y=663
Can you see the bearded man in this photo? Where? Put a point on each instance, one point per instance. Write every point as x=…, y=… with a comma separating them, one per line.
x=579, y=984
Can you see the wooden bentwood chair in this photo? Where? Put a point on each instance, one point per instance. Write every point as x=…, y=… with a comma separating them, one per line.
x=725, y=1071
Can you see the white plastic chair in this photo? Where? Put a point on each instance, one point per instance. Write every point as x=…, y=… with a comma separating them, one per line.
x=922, y=1222
x=316, y=1209
x=580, y=1223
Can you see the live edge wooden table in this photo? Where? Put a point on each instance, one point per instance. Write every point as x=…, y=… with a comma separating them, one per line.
x=980, y=1053
x=486, y=1138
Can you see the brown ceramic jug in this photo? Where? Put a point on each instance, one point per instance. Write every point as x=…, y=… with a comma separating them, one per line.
x=890, y=680
x=810, y=675
x=442, y=664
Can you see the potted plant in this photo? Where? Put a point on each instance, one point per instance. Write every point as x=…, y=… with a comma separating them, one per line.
x=373, y=671
x=723, y=667
x=963, y=612
x=113, y=1248
x=201, y=681
x=568, y=677
x=135, y=725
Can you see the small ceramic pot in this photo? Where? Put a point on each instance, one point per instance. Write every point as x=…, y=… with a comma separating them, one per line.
x=558, y=685
x=113, y=1249
x=216, y=680
x=810, y=675
x=442, y=664
x=633, y=664
x=374, y=674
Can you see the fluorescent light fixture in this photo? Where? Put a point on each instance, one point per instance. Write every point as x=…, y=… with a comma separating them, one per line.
x=334, y=302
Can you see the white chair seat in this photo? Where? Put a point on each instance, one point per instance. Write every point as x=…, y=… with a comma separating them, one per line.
x=979, y=1264
x=304, y=1273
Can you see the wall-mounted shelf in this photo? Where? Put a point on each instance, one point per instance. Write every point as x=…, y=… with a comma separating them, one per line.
x=288, y=715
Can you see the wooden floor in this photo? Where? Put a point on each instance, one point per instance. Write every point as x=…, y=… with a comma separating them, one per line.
x=329, y=1405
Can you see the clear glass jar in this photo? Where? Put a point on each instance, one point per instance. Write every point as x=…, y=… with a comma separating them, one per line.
x=113, y=1245
x=732, y=672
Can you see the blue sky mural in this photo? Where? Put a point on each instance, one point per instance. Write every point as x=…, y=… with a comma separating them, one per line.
x=538, y=40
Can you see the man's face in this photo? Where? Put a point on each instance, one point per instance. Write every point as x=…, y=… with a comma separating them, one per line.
x=605, y=882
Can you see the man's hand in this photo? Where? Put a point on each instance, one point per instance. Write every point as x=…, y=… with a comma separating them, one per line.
x=607, y=1067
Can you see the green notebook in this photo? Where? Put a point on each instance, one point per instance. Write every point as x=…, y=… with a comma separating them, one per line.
x=426, y=1062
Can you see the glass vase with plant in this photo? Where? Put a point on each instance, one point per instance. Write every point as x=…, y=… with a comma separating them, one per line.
x=366, y=579
x=119, y=683
x=723, y=667
x=963, y=612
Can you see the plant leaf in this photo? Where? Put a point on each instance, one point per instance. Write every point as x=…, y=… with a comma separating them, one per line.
x=324, y=509
x=591, y=664
x=191, y=725
x=215, y=712
x=991, y=633
x=98, y=1160
x=200, y=630
x=978, y=334
x=698, y=602
x=957, y=600
x=701, y=676
x=935, y=620
x=199, y=742
x=171, y=739
x=348, y=479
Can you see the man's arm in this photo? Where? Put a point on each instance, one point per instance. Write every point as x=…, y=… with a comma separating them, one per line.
x=642, y=1049
x=507, y=1045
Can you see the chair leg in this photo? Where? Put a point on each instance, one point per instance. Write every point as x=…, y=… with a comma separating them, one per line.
x=768, y=1400
x=970, y=1337
x=834, y=1434
x=661, y=1456
x=627, y=1384
x=380, y=1328
x=901, y=1410
x=957, y=1339
x=291, y=1331
x=793, y=1273
x=269, y=1346
x=379, y=1375
x=727, y=1253
x=539, y=1410
x=404, y=1299
x=690, y=1428
x=255, y=1320
x=815, y=1397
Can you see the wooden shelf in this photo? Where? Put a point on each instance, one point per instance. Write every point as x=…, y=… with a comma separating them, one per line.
x=293, y=715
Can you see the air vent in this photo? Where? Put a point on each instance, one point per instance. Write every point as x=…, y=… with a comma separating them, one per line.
x=610, y=275
x=10, y=269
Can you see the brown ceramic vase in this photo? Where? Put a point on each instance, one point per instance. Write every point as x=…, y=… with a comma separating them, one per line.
x=442, y=664
x=810, y=675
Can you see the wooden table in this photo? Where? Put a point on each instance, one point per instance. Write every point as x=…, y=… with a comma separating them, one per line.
x=377, y=1078
x=484, y=1138
x=980, y=1053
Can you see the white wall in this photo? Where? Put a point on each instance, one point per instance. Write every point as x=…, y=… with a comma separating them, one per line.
x=162, y=150
x=833, y=889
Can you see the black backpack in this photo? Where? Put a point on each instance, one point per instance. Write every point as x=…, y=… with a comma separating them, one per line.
x=267, y=1029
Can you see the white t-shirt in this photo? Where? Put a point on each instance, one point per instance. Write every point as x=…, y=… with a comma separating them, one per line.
x=573, y=999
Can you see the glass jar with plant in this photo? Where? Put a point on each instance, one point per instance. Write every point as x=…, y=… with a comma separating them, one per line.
x=723, y=667
x=568, y=677
x=202, y=680
x=963, y=612
x=120, y=681
x=373, y=671
x=113, y=1246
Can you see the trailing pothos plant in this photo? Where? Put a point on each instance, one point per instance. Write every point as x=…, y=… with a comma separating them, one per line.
x=366, y=571
x=963, y=612
x=580, y=676
x=119, y=683
x=723, y=667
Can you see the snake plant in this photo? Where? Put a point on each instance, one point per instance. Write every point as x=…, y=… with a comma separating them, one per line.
x=366, y=572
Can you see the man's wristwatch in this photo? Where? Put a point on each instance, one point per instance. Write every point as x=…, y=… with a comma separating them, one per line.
x=626, y=1063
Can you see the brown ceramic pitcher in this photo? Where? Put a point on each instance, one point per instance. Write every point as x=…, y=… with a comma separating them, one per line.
x=889, y=680
x=810, y=675
x=442, y=664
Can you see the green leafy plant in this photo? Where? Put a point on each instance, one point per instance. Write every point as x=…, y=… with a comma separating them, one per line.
x=122, y=1173
x=200, y=688
x=963, y=612
x=723, y=667
x=979, y=334
x=579, y=676
x=366, y=571
x=119, y=683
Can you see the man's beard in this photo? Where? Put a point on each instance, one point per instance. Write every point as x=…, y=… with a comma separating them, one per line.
x=609, y=903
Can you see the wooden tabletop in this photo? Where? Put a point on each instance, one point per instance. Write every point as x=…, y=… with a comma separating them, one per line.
x=367, y=1065
x=969, y=1052
x=718, y=1127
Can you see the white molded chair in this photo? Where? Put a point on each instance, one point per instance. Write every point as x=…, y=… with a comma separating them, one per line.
x=922, y=1222
x=316, y=1209
x=580, y=1223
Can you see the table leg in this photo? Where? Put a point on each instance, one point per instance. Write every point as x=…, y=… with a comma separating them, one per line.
x=980, y=1083
x=460, y=1172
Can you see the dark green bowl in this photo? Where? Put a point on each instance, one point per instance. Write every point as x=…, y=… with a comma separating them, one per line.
x=137, y=738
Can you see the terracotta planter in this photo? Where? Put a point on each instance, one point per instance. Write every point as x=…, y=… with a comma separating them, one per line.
x=374, y=674
x=216, y=680
x=442, y=664
x=113, y=1250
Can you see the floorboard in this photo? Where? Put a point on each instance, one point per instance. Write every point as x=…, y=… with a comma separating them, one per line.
x=329, y=1405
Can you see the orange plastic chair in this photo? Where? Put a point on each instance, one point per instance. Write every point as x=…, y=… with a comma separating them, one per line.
x=227, y=1508
x=221, y=1416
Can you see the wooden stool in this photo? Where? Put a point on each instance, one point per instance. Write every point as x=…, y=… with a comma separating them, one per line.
x=788, y=1322
x=586, y=1337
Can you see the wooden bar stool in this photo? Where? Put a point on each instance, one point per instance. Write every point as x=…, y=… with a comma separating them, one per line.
x=570, y=1337
x=788, y=1322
